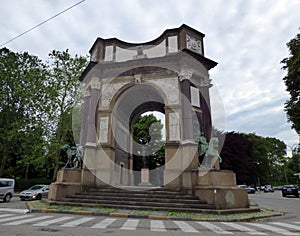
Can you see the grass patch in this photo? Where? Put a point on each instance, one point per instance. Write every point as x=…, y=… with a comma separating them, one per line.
x=141, y=212
x=42, y=204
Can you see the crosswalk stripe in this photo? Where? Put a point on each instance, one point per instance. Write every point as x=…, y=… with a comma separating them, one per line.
x=15, y=218
x=214, y=228
x=185, y=227
x=243, y=228
x=77, y=222
x=157, y=225
x=104, y=223
x=6, y=215
x=23, y=211
x=49, y=222
x=19, y=222
x=130, y=225
x=273, y=229
x=286, y=225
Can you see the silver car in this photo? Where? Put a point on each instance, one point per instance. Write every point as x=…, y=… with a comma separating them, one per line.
x=36, y=192
x=6, y=189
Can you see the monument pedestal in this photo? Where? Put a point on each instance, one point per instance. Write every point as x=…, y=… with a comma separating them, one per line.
x=68, y=182
x=145, y=177
x=218, y=188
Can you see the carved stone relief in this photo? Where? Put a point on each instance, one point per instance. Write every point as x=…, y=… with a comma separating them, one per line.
x=107, y=93
x=185, y=74
x=174, y=127
x=170, y=88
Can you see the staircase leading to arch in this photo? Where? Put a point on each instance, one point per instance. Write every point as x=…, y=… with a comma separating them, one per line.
x=137, y=199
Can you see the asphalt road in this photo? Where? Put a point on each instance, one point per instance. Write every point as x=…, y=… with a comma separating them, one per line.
x=20, y=224
x=289, y=205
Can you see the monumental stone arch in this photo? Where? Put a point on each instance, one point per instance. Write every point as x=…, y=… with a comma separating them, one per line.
x=122, y=81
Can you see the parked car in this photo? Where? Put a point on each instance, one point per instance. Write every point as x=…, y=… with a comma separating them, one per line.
x=290, y=190
x=247, y=188
x=268, y=188
x=36, y=192
x=6, y=189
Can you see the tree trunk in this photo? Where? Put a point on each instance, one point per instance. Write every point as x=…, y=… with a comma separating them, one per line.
x=27, y=171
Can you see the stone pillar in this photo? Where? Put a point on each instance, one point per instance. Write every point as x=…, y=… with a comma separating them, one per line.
x=189, y=149
x=90, y=138
x=205, y=123
x=187, y=121
x=91, y=120
x=84, y=117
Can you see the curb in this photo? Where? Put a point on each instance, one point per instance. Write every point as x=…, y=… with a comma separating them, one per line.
x=146, y=216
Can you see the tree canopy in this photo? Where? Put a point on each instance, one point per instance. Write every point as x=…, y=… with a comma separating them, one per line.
x=292, y=82
x=35, y=110
x=148, y=126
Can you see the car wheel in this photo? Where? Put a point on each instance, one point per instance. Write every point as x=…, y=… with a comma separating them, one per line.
x=7, y=198
x=297, y=195
x=39, y=197
x=283, y=195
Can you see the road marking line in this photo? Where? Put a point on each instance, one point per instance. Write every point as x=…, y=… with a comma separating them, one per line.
x=130, y=225
x=273, y=229
x=49, y=222
x=286, y=225
x=157, y=225
x=185, y=227
x=243, y=228
x=77, y=222
x=6, y=215
x=23, y=211
x=19, y=222
x=214, y=228
x=104, y=223
x=16, y=218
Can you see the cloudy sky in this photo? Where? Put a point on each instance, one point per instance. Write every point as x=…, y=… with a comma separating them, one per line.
x=246, y=37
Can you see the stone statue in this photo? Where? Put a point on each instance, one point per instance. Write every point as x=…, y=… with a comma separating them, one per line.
x=75, y=156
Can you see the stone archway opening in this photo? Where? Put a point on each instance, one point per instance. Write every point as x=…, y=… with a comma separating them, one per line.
x=148, y=130
x=131, y=105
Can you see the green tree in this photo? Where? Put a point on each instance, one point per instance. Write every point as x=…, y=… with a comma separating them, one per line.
x=292, y=82
x=237, y=156
x=148, y=126
x=269, y=157
x=21, y=96
x=63, y=89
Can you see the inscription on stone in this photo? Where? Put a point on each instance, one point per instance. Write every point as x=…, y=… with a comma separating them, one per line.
x=103, y=135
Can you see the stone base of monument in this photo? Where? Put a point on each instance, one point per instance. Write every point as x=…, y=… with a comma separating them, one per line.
x=68, y=182
x=145, y=178
x=218, y=187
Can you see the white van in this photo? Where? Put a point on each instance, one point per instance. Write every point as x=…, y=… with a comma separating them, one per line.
x=6, y=189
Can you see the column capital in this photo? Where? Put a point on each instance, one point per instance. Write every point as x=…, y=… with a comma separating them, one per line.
x=96, y=83
x=184, y=74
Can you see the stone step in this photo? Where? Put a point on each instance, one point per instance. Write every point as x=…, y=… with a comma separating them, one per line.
x=136, y=190
x=133, y=198
x=146, y=202
x=139, y=198
x=207, y=209
x=140, y=195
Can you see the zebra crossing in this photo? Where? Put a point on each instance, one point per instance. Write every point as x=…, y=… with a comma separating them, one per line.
x=155, y=225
